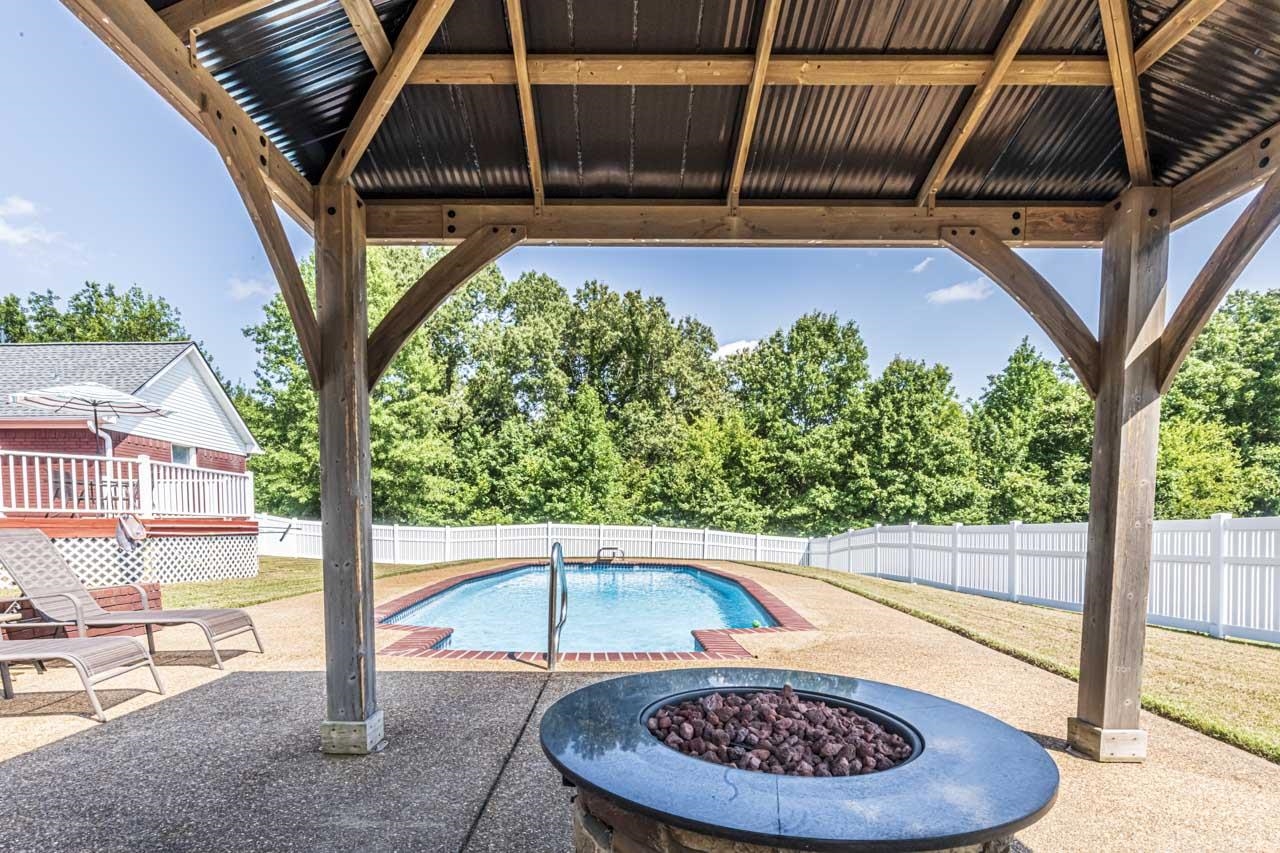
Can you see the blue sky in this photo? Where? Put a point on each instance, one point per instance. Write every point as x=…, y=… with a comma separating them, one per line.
x=103, y=180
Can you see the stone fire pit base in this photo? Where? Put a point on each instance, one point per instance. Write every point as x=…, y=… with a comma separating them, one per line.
x=601, y=826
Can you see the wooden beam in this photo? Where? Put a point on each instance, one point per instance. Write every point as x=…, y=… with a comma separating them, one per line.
x=874, y=223
x=238, y=152
x=1124, y=79
x=732, y=70
x=418, y=30
x=751, y=106
x=482, y=247
x=1247, y=235
x=1227, y=178
x=1135, y=264
x=1035, y=294
x=142, y=40
x=353, y=723
x=200, y=16
x=364, y=20
x=1172, y=30
x=515, y=18
x=980, y=100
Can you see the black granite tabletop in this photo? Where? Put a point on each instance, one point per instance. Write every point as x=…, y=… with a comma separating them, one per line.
x=975, y=778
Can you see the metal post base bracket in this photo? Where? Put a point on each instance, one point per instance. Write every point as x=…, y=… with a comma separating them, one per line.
x=347, y=738
x=1109, y=745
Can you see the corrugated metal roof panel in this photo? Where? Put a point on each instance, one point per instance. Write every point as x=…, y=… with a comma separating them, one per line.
x=297, y=68
x=473, y=26
x=847, y=141
x=1043, y=142
x=448, y=142
x=641, y=26
x=841, y=26
x=641, y=142
x=1215, y=90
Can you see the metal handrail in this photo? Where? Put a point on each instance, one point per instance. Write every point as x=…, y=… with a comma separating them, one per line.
x=609, y=554
x=556, y=605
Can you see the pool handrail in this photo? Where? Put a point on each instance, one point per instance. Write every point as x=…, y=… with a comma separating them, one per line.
x=557, y=607
x=609, y=554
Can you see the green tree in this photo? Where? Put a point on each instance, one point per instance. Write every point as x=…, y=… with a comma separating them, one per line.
x=96, y=312
x=1032, y=433
x=1199, y=470
x=916, y=438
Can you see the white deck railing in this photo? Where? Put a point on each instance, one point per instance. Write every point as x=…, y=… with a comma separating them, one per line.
x=75, y=485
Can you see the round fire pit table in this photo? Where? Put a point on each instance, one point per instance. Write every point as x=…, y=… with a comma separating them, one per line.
x=971, y=782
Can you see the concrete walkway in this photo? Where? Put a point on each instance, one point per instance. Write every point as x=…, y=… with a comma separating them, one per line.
x=230, y=762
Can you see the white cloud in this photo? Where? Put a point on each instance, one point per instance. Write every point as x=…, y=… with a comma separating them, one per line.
x=734, y=348
x=965, y=291
x=11, y=234
x=922, y=266
x=16, y=206
x=248, y=288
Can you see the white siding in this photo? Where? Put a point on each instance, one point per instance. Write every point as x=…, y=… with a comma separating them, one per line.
x=198, y=418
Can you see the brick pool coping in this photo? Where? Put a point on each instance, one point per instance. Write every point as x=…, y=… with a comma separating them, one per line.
x=718, y=643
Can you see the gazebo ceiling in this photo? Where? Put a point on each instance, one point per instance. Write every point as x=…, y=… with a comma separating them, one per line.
x=300, y=70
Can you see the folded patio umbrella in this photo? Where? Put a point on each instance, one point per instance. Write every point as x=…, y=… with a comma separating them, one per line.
x=88, y=398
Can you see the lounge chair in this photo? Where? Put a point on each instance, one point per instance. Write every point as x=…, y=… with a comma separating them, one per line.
x=57, y=594
x=95, y=659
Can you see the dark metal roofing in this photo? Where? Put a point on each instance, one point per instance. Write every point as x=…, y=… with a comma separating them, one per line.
x=300, y=72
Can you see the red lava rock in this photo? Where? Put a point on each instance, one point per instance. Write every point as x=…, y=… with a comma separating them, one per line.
x=778, y=732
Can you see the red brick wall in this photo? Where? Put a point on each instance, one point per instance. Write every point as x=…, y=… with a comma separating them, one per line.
x=50, y=441
x=217, y=460
x=110, y=598
x=133, y=446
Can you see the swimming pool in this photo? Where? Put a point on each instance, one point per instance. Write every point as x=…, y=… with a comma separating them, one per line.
x=631, y=607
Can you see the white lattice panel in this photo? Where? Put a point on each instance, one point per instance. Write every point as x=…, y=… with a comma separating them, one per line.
x=161, y=559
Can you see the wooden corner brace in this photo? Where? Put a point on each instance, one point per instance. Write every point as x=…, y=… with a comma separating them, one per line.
x=484, y=246
x=1034, y=293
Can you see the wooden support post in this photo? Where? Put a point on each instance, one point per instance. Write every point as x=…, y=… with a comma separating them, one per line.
x=353, y=723
x=1135, y=261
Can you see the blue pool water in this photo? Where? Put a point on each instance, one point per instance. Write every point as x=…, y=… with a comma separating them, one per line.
x=612, y=608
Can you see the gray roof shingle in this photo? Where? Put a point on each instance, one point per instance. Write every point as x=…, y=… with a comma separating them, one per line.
x=124, y=367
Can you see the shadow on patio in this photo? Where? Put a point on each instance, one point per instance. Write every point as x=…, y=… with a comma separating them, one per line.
x=235, y=765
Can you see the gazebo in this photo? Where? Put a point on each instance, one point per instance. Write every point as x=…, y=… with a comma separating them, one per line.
x=982, y=126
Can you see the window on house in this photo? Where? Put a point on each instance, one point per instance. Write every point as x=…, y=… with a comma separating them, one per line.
x=184, y=455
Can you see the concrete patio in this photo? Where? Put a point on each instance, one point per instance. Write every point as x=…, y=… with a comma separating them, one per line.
x=230, y=760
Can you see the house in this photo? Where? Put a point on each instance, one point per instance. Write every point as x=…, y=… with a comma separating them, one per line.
x=183, y=475
x=203, y=431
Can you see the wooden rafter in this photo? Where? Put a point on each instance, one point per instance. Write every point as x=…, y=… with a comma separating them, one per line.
x=731, y=70
x=483, y=246
x=1035, y=294
x=200, y=16
x=1246, y=236
x=519, y=51
x=373, y=38
x=976, y=107
x=755, y=90
x=418, y=30
x=238, y=151
x=1228, y=177
x=1124, y=80
x=141, y=39
x=1172, y=30
x=756, y=224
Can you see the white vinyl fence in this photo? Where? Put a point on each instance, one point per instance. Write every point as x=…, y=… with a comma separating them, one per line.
x=283, y=537
x=1220, y=576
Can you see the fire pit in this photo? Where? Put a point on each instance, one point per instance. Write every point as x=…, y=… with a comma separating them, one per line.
x=962, y=779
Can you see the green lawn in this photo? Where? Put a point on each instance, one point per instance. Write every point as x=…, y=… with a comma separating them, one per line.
x=278, y=577
x=1225, y=688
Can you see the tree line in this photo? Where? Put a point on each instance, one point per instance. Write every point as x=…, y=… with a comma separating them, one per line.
x=519, y=401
